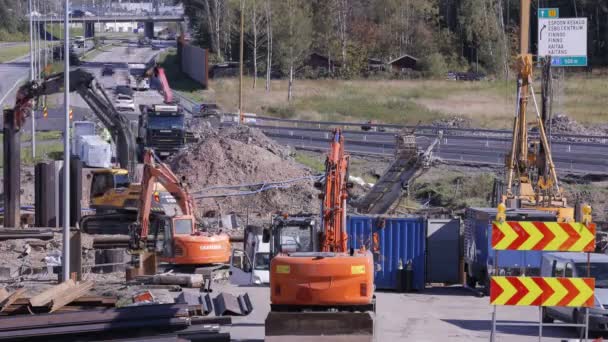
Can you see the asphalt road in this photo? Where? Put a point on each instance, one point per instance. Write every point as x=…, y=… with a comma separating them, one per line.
x=579, y=157
x=12, y=73
x=435, y=314
x=117, y=56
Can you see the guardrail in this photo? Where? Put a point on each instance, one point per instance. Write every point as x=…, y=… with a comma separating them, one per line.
x=447, y=130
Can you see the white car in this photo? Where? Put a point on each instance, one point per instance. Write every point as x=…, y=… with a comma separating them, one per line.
x=143, y=84
x=124, y=103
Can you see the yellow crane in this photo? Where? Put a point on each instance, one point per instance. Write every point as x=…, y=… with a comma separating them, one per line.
x=532, y=181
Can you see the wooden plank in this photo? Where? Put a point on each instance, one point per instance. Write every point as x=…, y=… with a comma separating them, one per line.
x=95, y=301
x=3, y=294
x=47, y=296
x=11, y=299
x=78, y=291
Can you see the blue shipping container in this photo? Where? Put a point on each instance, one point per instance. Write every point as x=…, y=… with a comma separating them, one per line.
x=400, y=239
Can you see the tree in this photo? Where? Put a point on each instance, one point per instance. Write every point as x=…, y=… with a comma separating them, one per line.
x=294, y=35
x=481, y=33
x=257, y=36
x=268, y=15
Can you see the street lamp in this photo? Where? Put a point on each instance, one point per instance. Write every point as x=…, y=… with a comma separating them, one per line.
x=66, y=147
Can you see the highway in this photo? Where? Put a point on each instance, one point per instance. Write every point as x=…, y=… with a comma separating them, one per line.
x=115, y=55
x=12, y=73
x=575, y=157
x=469, y=146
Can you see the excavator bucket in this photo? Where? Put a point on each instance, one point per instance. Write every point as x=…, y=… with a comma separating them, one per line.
x=319, y=326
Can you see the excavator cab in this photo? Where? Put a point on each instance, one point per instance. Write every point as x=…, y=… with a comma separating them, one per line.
x=168, y=230
x=294, y=234
x=110, y=190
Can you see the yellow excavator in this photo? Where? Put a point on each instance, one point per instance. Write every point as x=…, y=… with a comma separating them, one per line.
x=532, y=181
x=112, y=189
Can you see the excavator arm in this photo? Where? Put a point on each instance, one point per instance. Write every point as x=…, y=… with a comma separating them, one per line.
x=93, y=94
x=334, y=196
x=156, y=171
x=165, y=90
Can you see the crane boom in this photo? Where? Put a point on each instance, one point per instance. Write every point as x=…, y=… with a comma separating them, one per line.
x=93, y=94
x=530, y=161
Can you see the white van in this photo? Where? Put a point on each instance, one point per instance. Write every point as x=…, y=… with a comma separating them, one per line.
x=251, y=266
x=566, y=264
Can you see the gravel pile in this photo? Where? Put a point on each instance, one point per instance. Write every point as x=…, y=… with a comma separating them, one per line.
x=243, y=155
x=452, y=122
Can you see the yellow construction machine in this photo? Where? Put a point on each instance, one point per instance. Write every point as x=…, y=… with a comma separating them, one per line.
x=532, y=181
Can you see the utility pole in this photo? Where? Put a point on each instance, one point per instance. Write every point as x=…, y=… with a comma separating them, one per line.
x=38, y=39
x=65, y=260
x=241, y=116
x=36, y=76
x=31, y=41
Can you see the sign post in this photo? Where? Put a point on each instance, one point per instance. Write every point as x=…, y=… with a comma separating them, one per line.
x=564, y=39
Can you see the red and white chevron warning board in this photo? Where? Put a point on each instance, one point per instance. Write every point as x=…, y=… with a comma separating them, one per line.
x=543, y=236
x=542, y=291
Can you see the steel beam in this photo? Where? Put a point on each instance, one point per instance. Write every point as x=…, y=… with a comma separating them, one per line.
x=12, y=170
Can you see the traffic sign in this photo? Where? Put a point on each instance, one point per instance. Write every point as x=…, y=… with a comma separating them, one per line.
x=543, y=236
x=548, y=12
x=564, y=39
x=542, y=291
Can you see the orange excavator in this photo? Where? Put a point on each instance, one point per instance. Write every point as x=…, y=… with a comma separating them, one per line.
x=320, y=290
x=183, y=243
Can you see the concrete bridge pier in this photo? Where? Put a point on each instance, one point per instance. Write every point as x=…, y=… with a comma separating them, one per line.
x=149, y=29
x=89, y=29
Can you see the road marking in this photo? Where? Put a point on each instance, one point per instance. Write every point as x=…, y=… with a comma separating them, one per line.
x=11, y=90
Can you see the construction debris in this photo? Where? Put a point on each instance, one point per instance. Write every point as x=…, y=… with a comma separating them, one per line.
x=236, y=156
x=46, y=297
x=11, y=299
x=185, y=280
x=228, y=304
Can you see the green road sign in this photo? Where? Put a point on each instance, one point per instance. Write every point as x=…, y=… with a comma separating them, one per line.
x=570, y=61
x=548, y=13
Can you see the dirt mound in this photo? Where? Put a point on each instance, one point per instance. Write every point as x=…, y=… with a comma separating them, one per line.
x=243, y=155
x=561, y=123
x=455, y=122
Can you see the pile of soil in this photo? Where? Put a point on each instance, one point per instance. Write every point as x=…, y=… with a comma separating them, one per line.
x=244, y=155
x=561, y=123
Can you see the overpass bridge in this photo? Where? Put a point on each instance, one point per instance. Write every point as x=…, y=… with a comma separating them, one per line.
x=90, y=21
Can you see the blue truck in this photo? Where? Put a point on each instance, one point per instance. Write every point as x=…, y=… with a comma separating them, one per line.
x=478, y=252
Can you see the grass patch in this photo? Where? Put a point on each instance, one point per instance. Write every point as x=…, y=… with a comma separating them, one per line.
x=49, y=150
x=489, y=104
x=43, y=136
x=311, y=161
x=46, y=151
x=57, y=30
x=12, y=52
x=453, y=189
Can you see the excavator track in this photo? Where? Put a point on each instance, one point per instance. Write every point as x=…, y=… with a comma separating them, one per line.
x=114, y=223
x=319, y=326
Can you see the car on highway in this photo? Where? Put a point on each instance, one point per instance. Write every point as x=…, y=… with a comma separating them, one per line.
x=372, y=126
x=124, y=103
x=564, y=264
x=210, y=109
x=107, y=70
x=81, y=13
x=123, y=89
